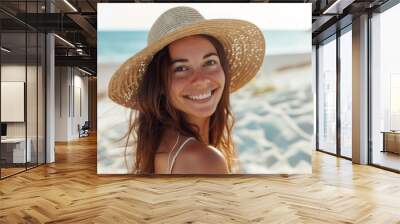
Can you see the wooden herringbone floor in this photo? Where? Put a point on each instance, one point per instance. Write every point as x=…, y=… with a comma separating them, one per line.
x=69, y=191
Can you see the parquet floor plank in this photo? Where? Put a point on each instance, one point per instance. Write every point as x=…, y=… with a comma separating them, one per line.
x=70, y=191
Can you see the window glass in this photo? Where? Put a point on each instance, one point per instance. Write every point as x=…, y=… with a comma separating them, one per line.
x=327, y=96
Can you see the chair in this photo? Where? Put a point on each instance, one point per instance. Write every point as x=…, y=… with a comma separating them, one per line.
x=84, y=130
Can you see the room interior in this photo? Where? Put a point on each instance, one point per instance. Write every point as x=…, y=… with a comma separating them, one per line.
x=49, y=91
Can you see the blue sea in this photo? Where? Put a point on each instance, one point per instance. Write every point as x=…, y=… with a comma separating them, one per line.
x=117, y=46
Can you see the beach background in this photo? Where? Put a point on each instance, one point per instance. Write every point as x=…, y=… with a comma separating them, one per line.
x=274, y=113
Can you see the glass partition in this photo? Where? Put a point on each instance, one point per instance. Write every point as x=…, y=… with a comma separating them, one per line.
x=13, y=95
x=31, y=97
x=22, y=88
x=33, y=57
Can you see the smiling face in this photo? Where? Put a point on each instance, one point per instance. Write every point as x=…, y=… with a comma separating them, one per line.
x=197, y=76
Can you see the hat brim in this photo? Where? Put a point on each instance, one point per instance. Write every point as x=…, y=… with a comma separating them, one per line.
x=243, y=43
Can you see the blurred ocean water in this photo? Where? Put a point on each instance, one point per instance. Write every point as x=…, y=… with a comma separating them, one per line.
x=274, y=113
x=117, y=46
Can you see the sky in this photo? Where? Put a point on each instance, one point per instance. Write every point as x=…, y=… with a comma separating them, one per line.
x=267, y=16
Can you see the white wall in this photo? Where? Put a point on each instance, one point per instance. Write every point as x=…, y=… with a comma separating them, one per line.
x=70, y=83
x=81, y=84
x=62, y=81
x=17, y=73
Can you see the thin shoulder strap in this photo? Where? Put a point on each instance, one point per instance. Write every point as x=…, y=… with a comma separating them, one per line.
x=172, y=150
x=177, y=153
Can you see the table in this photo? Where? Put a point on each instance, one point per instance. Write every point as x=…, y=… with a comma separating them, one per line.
x=15, y=148
x=391, y=141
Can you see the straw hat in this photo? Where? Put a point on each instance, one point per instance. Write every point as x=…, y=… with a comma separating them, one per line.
x=243, y=43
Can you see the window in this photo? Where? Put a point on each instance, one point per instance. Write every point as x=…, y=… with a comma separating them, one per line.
x=327, y=96
x=385, y=89
x=346, y=93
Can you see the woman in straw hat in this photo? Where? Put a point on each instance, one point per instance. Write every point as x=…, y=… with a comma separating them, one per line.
x=180, y=85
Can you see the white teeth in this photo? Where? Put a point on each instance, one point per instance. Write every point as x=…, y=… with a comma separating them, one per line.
x=201, y=96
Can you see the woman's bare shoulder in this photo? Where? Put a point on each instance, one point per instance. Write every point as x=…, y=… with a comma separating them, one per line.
x=198, y=158
x=161, y=156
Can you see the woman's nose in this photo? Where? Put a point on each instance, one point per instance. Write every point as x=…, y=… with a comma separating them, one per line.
x=200, y=79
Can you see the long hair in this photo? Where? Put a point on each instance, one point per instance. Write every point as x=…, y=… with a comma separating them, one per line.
x=156, y=113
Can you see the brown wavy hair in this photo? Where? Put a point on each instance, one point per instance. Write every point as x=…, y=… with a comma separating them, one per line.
x=156, y=114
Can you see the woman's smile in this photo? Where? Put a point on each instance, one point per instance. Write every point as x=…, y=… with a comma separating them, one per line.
x=201, y=97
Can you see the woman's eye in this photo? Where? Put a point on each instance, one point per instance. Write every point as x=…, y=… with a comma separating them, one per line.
x=211, y=62
x=180, y=69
